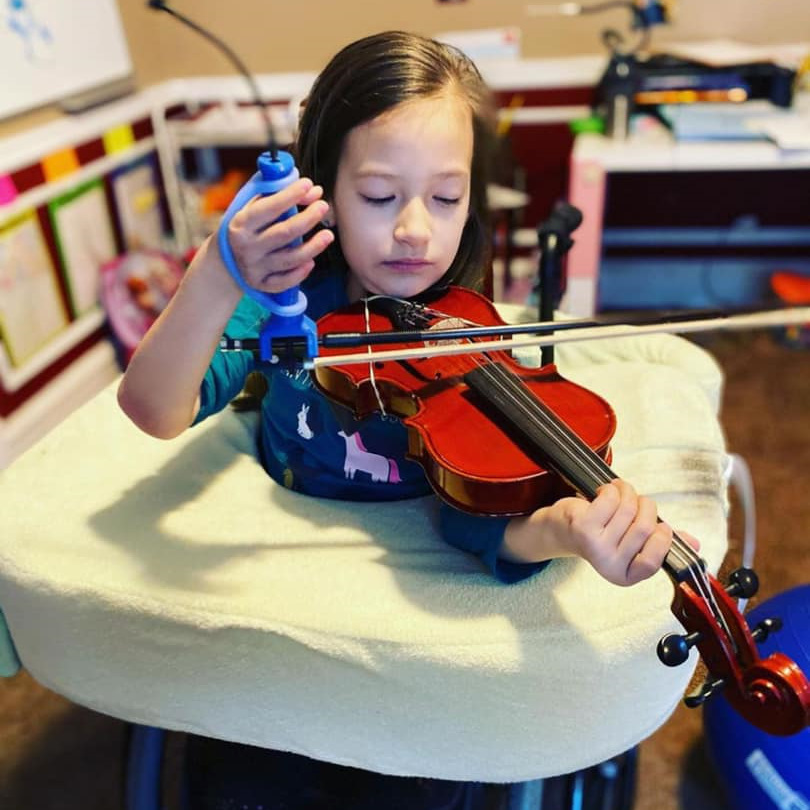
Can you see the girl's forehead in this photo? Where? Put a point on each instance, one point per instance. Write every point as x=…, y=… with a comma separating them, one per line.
x=450, y=108
x=438, y=123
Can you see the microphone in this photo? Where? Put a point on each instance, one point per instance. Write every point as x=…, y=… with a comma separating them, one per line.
x=159, y=5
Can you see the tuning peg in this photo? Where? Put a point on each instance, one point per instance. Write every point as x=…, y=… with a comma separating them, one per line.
x=742, y=583
x=673, y=649
x=765, y=628
x=706, y=691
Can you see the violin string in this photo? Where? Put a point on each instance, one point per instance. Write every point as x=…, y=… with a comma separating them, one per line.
x=589, y=464
x=589, y=461
x=370, y=352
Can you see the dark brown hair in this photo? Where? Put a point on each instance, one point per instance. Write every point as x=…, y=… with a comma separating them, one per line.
x=377, y=73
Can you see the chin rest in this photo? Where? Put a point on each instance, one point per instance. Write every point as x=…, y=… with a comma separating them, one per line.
x=173, y=584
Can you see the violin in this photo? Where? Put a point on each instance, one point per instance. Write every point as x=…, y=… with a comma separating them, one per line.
x=443, y=403
x=536, y=438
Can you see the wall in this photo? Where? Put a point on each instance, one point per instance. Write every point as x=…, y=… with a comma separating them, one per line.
x=305, y=44
x=270, y=38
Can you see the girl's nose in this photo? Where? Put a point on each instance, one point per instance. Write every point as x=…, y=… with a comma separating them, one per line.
x=413, y=223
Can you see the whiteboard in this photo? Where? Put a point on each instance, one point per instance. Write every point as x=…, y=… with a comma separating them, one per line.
x=51, y=49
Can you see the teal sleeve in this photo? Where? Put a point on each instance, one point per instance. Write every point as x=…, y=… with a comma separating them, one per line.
x=227, y=372
x=224, y=379
x=482, y=536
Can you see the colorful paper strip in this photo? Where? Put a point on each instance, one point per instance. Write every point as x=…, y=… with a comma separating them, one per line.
x=8, y=191
x=118, y=139
x=59, y=164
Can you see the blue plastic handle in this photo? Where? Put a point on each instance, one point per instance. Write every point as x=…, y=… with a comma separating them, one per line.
x=287, y=308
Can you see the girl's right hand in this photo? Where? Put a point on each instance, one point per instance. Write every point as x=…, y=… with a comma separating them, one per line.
x=618, y=533
x=261, y=243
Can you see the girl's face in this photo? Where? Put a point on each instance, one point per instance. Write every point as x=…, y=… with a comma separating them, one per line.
x=402, y=195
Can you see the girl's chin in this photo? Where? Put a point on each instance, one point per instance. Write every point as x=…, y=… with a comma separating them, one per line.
x=402, y=286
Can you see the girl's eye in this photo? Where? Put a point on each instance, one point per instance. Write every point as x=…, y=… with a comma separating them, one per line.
x=377, y=200
x=448, y=200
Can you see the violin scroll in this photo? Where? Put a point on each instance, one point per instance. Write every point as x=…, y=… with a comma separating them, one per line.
x=772, y=693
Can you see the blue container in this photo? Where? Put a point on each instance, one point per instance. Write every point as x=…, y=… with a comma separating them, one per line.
x=758, y=770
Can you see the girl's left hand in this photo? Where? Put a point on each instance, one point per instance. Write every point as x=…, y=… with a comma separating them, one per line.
x=262, y=243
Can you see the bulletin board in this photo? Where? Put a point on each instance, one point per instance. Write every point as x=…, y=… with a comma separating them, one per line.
x=136, y=192
x=85, y=239
x=31, y=310
x=54, y=49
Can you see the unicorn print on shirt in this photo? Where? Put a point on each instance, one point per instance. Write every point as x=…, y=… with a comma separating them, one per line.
x=378, y=467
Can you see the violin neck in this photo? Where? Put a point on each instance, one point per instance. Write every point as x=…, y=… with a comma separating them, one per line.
x=540, y=432
x=547, y=438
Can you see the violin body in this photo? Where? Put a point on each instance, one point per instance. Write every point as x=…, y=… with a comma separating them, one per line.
x=471, y=459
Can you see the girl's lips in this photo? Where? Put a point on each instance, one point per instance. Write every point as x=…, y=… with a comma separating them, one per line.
x=407, y=264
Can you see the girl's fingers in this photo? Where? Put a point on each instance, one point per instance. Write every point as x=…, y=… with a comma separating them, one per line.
x=614, y=509
x=251, y=249
x=315, y=193
x=279, y=281
x=263, y=211
x=641, y=527
x=288, y=258
x=603, y=507
x=284, y=232
x=651, y=556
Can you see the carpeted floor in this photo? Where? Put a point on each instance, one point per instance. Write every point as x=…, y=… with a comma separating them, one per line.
x=58, y=756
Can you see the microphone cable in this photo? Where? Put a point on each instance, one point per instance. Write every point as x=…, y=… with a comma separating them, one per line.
x=159, y=5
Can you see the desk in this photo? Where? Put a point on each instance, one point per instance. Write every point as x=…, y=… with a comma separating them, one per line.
x=595, y=157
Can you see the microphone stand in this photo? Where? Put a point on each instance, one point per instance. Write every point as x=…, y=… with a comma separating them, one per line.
x=554, y=236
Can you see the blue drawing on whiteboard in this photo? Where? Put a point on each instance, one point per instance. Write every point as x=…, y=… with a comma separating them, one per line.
x=35, y=35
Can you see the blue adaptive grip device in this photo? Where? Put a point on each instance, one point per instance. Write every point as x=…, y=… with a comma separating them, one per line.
x=287, y=318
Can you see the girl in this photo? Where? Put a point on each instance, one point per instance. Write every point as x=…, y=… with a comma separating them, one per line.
x=392, y=148
x=395, y=133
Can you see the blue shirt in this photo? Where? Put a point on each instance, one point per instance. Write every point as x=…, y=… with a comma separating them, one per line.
x=306, y=444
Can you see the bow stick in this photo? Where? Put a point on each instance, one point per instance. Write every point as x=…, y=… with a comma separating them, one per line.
x=532, y=334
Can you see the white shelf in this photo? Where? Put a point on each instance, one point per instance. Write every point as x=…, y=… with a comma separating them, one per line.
x=231, y=125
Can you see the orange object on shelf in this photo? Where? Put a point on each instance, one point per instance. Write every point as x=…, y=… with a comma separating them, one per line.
x=217, y=197
x=794, y=290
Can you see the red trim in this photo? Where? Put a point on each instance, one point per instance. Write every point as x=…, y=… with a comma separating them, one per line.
x=142, y=129
x=28, y=177
x=90, y=151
